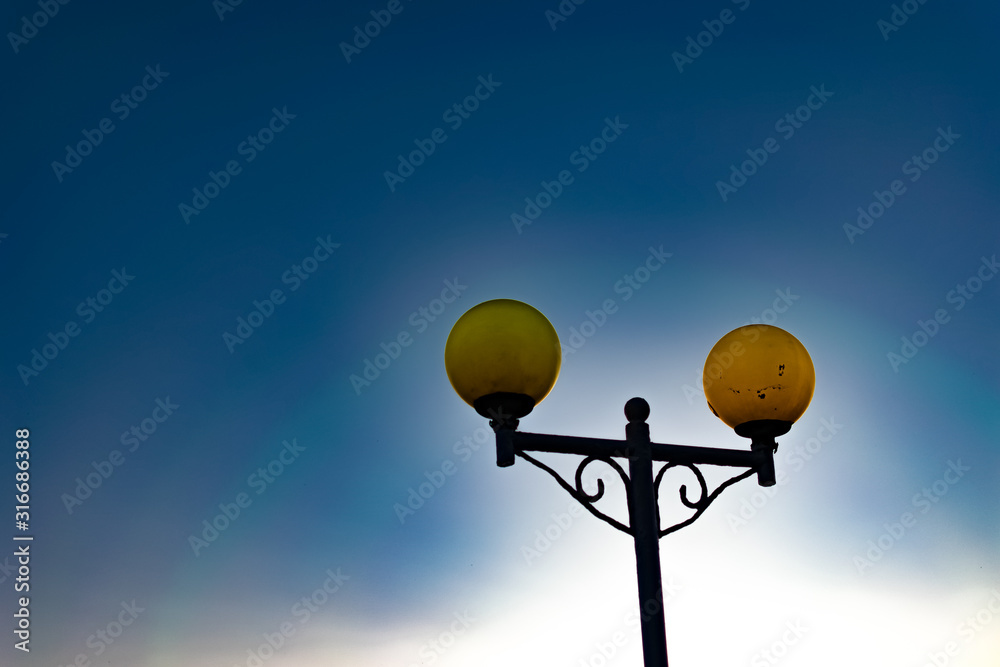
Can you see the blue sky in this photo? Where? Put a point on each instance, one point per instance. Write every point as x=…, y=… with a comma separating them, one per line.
x=183, y=176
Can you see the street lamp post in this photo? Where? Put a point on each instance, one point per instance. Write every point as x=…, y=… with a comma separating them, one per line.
x=503, y=358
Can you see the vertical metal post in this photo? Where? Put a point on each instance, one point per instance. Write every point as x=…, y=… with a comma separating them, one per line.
x=643, y=518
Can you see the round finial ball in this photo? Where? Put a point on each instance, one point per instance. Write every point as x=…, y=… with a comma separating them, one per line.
x=758, y=372
x=636, y=410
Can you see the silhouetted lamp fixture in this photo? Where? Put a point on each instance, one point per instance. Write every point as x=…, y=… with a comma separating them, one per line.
x=503, y=358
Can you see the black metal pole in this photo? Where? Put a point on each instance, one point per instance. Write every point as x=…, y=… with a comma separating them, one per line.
x=643, y=518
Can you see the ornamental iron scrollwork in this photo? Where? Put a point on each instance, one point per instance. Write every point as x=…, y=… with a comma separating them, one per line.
x=588, y=499
x=700, y=504
x=704, y=499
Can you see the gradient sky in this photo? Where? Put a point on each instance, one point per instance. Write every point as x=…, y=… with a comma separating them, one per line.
x=301, y=131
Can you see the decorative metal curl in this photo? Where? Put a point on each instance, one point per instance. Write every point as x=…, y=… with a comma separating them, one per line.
x=588, y=499
x=704, y=499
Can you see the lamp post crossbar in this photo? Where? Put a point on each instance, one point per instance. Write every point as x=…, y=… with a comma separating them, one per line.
x=606, y=448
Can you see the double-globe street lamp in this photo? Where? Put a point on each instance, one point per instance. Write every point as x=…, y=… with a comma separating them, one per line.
x=503, y=357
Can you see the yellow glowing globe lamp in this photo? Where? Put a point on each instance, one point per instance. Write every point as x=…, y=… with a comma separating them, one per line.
x=759, y=379
x=502, y=357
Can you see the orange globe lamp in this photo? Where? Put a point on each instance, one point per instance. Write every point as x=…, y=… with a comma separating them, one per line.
x=759, y=379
